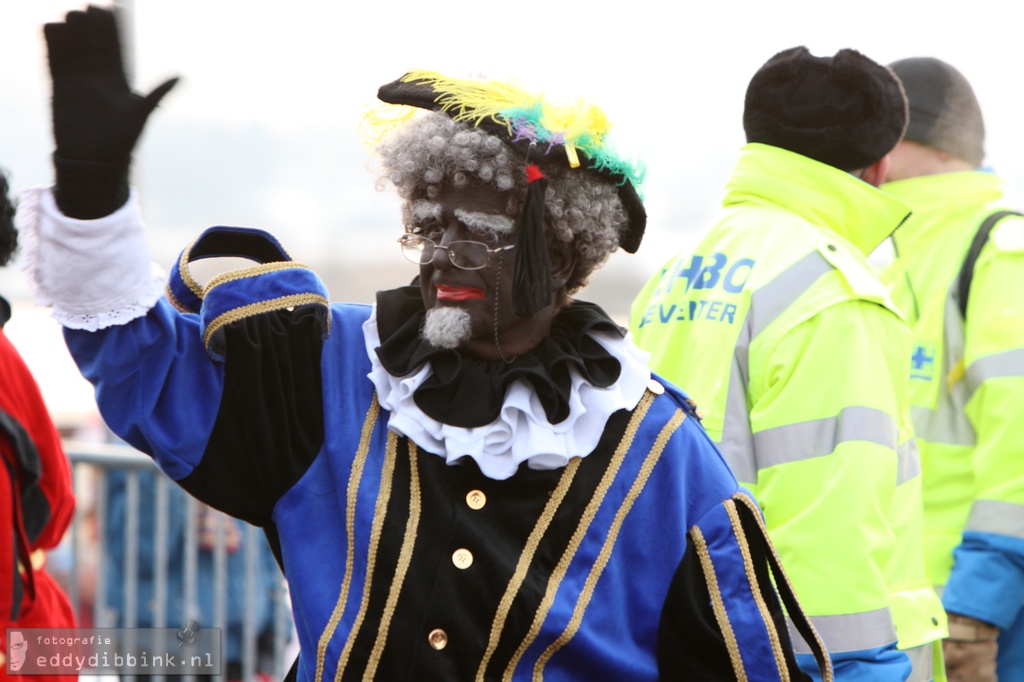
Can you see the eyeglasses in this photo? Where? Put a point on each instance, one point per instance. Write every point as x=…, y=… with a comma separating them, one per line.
x=464, y=255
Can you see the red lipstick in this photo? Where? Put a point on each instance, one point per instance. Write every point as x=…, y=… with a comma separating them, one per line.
x=450, y=293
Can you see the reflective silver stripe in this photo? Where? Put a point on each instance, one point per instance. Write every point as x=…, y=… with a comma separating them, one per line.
x=997, y=366
x=820, y=437
x=991, y=516
x=766, y=304
x=909, y=462
x=737, y=443
x=850, y=632
x=947, y=423
x=771, y=300
x=942, y=425
x=922, y=662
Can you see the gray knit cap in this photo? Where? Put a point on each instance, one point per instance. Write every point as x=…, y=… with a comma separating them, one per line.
x=944, y=113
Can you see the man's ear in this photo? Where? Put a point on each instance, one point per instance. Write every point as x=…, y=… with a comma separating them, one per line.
x=875, y=174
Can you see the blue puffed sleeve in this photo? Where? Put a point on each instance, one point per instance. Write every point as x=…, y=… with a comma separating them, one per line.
x=227, y=397
x=155, y=385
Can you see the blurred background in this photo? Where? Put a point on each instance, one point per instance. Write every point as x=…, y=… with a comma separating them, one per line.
x=262, y=129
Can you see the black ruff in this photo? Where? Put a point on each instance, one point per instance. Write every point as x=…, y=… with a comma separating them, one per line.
x=467, y=391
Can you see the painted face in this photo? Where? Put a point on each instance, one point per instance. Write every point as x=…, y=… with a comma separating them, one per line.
x=475, y=213
x=18, y=649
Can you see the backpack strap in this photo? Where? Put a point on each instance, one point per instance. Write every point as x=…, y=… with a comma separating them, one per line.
x=963, y=281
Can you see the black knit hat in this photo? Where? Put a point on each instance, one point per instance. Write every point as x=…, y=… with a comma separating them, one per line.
x=846, y=110
x=944, y=113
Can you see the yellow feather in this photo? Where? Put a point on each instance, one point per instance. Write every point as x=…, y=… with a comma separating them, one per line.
x=377, y=122
x=471, y=100
x=579, y=126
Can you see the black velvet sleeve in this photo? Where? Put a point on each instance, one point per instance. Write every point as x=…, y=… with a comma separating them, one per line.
x=690, y=642
x=769, y=578
x=269, y=426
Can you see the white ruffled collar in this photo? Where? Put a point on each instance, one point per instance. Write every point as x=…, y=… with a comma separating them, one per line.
x=522, y=431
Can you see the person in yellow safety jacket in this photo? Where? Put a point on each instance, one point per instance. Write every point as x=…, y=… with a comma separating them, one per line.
x=796, y=357
x=967, y=368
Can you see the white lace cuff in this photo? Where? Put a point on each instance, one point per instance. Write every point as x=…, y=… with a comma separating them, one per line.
x=94, y=273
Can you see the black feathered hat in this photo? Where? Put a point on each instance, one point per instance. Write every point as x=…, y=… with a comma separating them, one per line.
x=845, y=110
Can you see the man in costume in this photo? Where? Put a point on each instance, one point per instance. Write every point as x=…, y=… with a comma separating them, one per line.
x=956, y=275
x=475, y=478
x=36, y=497
x=786, y=339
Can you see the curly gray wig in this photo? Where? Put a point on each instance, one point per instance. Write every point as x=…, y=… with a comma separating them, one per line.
x=581, y=208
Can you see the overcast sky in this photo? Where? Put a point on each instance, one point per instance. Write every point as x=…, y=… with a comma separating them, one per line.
x=262, y=129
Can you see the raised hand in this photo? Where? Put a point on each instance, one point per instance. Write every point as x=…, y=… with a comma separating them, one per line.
x=97, y=118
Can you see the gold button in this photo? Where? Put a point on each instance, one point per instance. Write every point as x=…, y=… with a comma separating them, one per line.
x=462, y=558
x=438, y=638
x=655, y=387
x=476, y=499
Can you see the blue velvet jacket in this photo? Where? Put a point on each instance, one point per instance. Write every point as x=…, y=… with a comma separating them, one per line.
x=642, y=560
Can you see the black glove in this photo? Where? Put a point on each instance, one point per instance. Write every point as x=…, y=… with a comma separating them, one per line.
x=96, y=117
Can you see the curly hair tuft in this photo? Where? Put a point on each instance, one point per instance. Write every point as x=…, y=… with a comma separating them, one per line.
x=582, y=208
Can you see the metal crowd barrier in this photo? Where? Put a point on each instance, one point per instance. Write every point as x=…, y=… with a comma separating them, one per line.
x=90, y=465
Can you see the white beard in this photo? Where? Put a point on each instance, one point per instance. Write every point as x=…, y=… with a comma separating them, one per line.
x=446, y=327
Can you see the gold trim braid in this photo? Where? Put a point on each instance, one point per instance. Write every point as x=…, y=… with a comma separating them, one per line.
x=254, y=271
x=404, y=560
x=186, y=274
x=253, y=309
x=609, y=544
x=379, y=513
x=752, y=505
x=718, y=604
x=173, y=300
x=766, y=616
x=358, y=465
x=562, y=567
x=184, y=271
x=525, y=559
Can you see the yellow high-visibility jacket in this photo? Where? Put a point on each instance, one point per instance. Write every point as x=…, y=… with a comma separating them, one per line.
x=967, y=393
x=783, y=334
